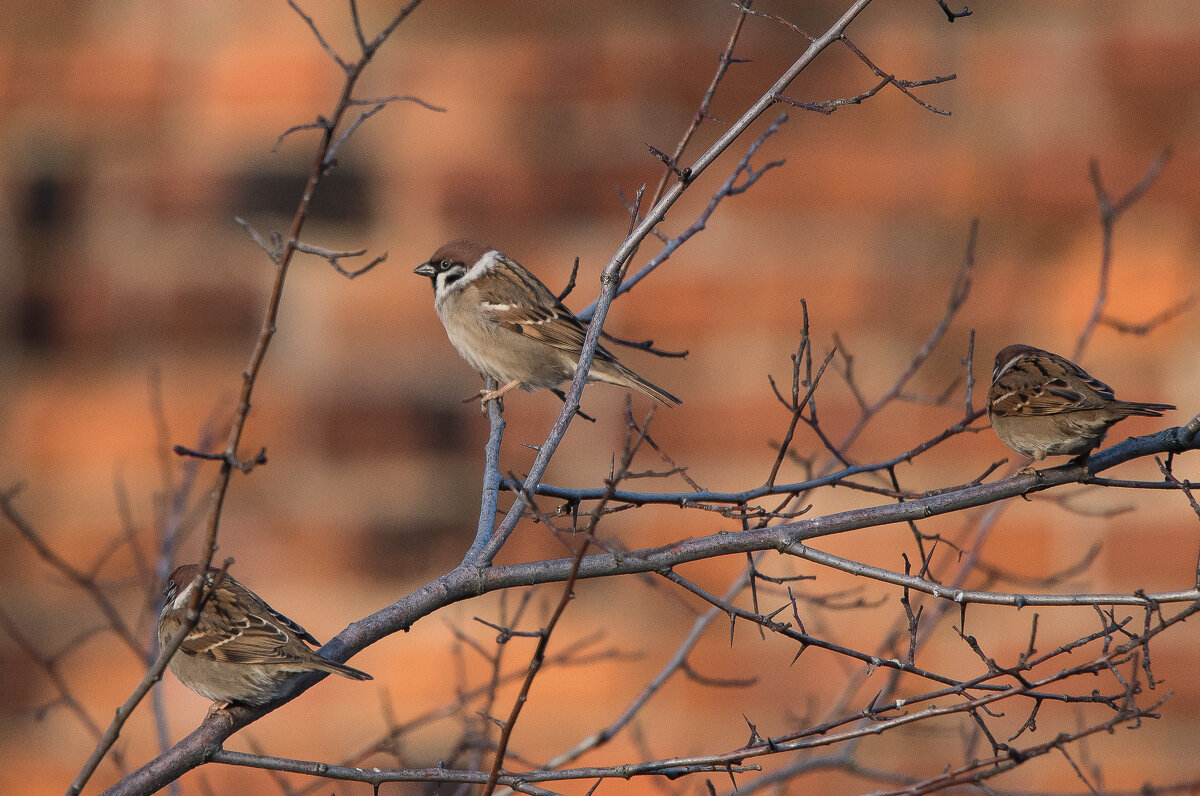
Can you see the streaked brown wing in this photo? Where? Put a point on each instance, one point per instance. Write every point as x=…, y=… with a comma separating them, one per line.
x=291, y=625
x=1098, y=391
x=228, y=634
x=506, y=301
x=1006, y=402
x=554, y=328
x=1028, y=389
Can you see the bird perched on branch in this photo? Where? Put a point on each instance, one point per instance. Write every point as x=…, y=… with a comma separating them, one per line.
x=508, y=325
x=1041, y=404
x=241, y=649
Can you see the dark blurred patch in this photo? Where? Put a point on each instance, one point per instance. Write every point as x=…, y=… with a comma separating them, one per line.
x=560, y=198
x=48, y=203
x=1148, y=74
x=276, y=190
x=85, y=318
x=37, y=320
x=21, y=685
x=466, y=207
x=203, y=315
x=47, y=206
x=403, y=548
x=350, y=428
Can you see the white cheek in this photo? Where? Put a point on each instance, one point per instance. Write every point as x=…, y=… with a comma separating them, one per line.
x=481, y=266
x=488, y=261
x=1007, y=366
x=181, y=600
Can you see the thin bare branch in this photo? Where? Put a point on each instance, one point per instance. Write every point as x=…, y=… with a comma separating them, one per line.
x=1110, y=213
x=82, y=580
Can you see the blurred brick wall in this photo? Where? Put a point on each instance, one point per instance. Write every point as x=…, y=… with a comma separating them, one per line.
x=133, y=132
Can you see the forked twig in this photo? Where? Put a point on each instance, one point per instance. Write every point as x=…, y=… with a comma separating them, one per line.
x=1110, y=213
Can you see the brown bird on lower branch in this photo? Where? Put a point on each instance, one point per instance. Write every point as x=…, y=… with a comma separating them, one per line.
x=241, y=649
x=1041, y=404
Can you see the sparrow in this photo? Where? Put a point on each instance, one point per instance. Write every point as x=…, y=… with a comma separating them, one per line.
x=508, y=325
x=241, y=650
x=1041, y=404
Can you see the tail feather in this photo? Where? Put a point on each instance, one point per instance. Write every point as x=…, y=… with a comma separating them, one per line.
x=624, y=377
x=1145, y=409
x=654, y=391
x=346, y=671
x=645, y=387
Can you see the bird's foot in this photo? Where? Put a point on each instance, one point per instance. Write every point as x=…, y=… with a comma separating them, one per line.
x=218, y=707
x=492, y=395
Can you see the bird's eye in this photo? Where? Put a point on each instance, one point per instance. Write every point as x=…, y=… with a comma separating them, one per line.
x=445, y=265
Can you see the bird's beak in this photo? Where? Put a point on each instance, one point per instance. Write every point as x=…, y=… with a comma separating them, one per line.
x=425, y=269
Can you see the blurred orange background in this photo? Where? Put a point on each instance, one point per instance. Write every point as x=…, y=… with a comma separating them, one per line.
x=134, y=132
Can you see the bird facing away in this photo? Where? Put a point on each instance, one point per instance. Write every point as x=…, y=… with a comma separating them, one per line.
x=1041, y=404
x=508, y=325
x=241, y=649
